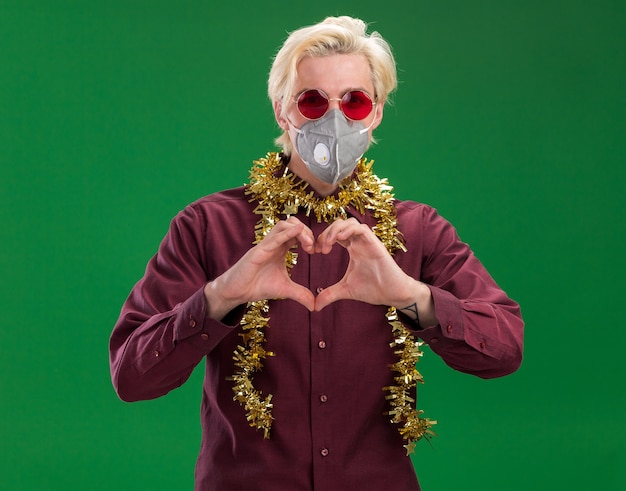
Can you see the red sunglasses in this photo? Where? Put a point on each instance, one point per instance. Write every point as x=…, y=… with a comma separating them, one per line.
x=355, y=104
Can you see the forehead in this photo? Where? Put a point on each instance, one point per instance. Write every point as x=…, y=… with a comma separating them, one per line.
x=334, y=74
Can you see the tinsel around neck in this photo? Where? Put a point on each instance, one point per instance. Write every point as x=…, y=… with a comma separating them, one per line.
x=280, y=192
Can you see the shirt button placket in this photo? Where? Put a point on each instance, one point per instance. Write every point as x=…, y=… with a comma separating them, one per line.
x=320, y=395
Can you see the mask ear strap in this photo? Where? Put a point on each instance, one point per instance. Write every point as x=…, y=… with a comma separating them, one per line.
x=372, y=123
x=298, y=130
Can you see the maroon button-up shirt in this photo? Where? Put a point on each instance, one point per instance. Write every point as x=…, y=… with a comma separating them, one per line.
x=330, y=432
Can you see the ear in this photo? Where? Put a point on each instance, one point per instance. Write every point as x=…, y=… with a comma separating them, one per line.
x=280, y=119
x=379, y=114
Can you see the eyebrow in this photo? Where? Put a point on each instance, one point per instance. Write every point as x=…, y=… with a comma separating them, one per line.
x=351, y=89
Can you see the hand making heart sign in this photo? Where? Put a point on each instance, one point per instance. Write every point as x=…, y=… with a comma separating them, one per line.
x=372, y=275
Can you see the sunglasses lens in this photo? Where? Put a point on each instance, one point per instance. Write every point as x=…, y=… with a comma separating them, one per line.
x=356, y=105
x=312, y=104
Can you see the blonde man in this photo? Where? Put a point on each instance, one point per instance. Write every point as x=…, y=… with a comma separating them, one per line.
x=316, y=248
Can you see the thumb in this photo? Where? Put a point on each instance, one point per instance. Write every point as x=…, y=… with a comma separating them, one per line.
x=301, y=295
x=328, y=296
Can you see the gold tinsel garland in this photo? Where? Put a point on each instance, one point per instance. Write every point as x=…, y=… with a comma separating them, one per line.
x=284, y=195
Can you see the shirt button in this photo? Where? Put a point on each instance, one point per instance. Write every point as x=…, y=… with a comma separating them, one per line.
x=321, y=344
x=449, y=328
x=192, y=323
x=156, y=353
x=324, y=452
x=434, y=341
x=323, y=398
x=319, y=289
x=482, y=345
x=204, y=336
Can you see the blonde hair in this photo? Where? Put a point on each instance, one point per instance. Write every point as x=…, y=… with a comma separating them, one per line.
x=334, y=35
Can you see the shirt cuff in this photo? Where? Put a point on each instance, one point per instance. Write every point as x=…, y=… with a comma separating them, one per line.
x=449, y=317
x=192, y=323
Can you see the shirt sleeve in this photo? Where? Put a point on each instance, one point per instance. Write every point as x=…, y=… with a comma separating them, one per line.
x=480, y=329
x=163, y=331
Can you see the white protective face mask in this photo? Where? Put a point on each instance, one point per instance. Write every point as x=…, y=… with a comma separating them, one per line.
x=331, y=146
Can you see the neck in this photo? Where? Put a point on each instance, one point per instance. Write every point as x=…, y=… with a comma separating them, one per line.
x=300, y=169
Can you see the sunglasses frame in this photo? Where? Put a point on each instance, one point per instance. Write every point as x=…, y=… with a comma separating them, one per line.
x=328, y=101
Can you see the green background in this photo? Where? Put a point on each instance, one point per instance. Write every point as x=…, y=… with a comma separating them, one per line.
x=509, y=119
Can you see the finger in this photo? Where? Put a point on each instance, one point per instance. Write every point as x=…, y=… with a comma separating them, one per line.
x=357, y=231
x=327, y=238
x=301, y=295
x=342, y=232
x=306, y=239
x=323, y=238
x=283, y=233
x=288, y=232
x=330, y=295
